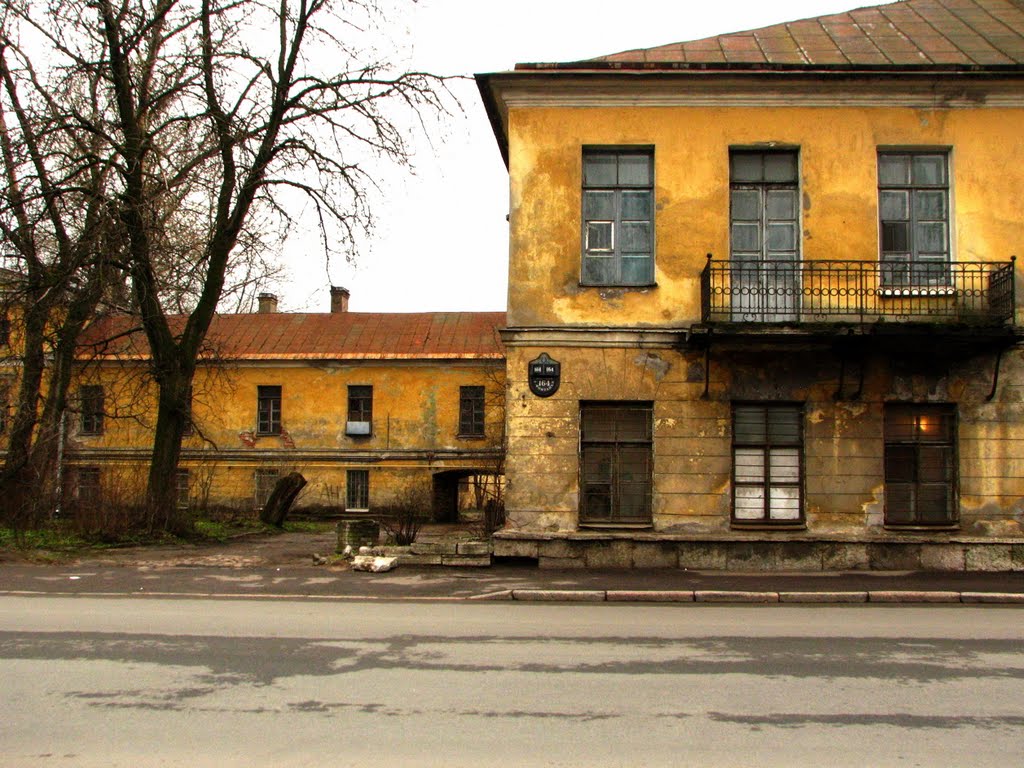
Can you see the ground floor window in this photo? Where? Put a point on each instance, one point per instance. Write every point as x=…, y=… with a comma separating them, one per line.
x=615, y=463
x=88, y=489
x=265, y=480
x=182, y=485
x=357, y=489
x=767, y=463
x=920, y=464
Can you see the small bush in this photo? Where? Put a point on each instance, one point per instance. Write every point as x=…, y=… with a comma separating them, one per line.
x=403, y=518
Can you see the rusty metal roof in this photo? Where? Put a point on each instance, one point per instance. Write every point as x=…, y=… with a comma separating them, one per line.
x=319, y=336
x=970, y=33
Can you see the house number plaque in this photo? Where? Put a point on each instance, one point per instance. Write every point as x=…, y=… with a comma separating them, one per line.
x=545, y=375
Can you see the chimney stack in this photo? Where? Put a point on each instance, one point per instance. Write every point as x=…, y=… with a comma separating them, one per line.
x=267, y=303
x=339, y=299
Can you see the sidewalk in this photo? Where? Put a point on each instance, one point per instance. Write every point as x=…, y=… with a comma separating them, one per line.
x=509, y=583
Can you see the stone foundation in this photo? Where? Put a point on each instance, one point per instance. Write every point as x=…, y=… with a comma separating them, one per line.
x=631, y=550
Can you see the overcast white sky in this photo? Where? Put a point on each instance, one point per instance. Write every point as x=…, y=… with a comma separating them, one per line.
x=442, y=239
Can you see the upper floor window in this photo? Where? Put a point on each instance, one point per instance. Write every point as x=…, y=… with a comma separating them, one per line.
x=764, y=234
x=471, y=411
x=618, y=216
x=268, y=410
x=913, y=208
x=91, y=409
x=360, y=410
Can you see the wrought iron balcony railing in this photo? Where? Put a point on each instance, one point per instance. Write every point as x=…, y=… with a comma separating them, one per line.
x=833, y=291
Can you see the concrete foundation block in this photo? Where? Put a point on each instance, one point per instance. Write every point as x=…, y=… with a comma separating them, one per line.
x=473, y=548
x=419, y=559
x=1017, y=557
x=798, y=556
x=843, y=556
x=751, y=556
x=434, y=547
x=894, y=557
x=942, y=557
x=988, y=557
x=609, y=554
x=655, y=554
x=702, y=556
x=560, y=548
x=516, y=548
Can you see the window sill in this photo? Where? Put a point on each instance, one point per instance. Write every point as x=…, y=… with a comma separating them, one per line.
x=620, y=286
x=268, y=434
x=471, y=437
x=764, y=525
x=618, y=526
x=917, y=528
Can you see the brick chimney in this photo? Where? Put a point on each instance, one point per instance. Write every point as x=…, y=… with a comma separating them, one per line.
x=339, y=299
x=267, y=303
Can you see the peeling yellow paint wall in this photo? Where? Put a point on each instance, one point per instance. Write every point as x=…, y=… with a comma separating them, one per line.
x=838, y=155
x=415, y=427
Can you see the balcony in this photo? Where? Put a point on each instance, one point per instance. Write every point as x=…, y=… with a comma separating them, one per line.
x=834, y=292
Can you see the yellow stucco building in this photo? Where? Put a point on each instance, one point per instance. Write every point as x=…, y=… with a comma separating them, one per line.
x=364, y=405
x=763, y=301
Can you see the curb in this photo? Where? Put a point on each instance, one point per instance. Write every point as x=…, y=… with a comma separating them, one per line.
x=888, y=596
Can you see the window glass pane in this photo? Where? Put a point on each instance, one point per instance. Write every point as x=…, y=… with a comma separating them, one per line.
x=780, y=167
x=784, y=503
x=930, y=205
x=599, y=170
x=781, y=237
x=933, y=426
x=895, y=236
x=637, y=270
x=635, y=170
x=636, y=206
x=899, y=463
x=893, y=169
x=597, y=500
x=933, y=464
x=749, y=465
x=599, y=269
x=899, y=503
x=746, y=205
x=635, y=237
x=746, y=237
x=894, y=205
x=749, y=424
x=598, y=205
x=900, y=423
x=749, y=502
x=634, y=466
x=929, y=169
x=600, y=236
x=784, y=425
x=784, y=465
x=781, y=204
x=597, y=464
x=933, y=504
x=931, y=236
x=745, y=166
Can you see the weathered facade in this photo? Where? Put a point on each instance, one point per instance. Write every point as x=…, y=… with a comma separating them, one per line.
x=773, y=277
x=365, y=405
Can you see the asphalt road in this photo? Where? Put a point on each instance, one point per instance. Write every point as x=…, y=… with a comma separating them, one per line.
x=127, y=682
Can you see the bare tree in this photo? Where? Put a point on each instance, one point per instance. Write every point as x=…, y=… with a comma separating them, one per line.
x=219, y=117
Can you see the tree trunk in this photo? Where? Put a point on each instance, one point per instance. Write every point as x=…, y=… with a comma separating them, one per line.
x=162, y=487
x=281, y=500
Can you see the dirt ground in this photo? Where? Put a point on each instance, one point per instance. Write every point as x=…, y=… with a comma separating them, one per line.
x=255, y=550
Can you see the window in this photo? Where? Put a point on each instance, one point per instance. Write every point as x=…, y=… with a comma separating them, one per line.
x=264, y=480
x=615, y=463
x=88, y=486
x=6, y=387
x=360, y=410
x=357, y=489
x=913, y=207
x=764, y=235
x=268, y=410
x=618, y=217
x=5, y=328
x=471, y=411
x=920, y=465
x=182, y=482
x=767, y=461
x=91, y=409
